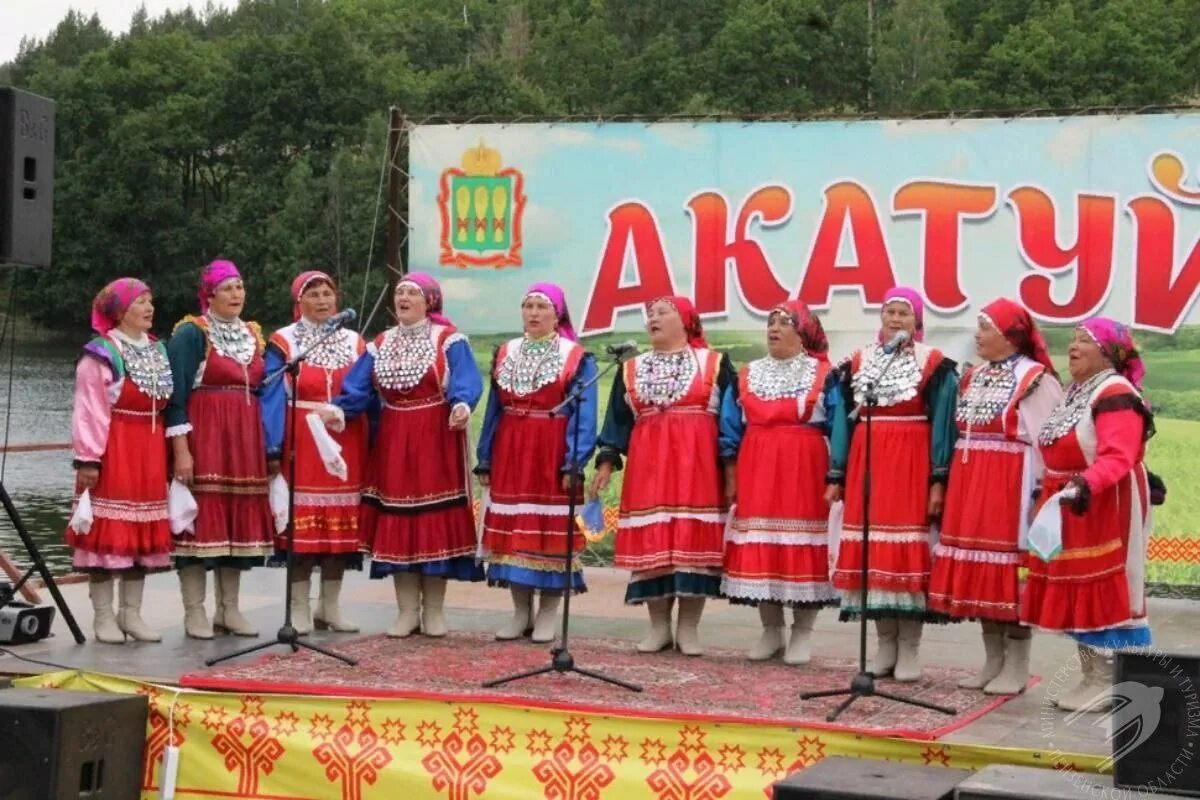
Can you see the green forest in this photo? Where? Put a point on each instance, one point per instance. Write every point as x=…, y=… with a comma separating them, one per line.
x=259, y=133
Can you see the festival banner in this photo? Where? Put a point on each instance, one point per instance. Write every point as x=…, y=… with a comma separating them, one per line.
x=1073, y=216
x=288, y=747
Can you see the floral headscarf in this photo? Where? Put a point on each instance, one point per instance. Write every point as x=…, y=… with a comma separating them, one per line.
x=1018, y=327
x=812, y=335
x=1115, y=341
x=113, y=301
x=553, y=294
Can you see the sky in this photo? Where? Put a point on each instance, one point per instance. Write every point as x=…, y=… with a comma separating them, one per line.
x=37, y=18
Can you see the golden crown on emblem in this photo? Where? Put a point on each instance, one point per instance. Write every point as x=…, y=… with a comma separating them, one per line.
x=481, y=160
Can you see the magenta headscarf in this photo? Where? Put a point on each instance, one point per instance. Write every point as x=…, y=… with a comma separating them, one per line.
x=113, y=301
x=213, y=276
x=433, y=295
x=557, y=298
x=913, y=298
x=302, y=282
x=1115, y=341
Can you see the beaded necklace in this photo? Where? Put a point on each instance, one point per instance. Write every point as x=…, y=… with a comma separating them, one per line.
x=534, y=363
x=1067, y=414
x=231, y=338
x=407, y=353
x=900, y=383
x=662, y=379
x=774, y=378
x=990, y=391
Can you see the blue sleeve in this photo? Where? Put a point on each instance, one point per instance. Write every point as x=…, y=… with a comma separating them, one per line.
x=491, y=419
x=942, y=400
x=466, y=385
x=273, y=400
x=732, y=424
x=358, y=388
x=577, y=458
x=618, y=425
x=837, y=427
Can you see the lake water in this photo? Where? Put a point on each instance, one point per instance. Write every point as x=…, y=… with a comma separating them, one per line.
x=39, y=411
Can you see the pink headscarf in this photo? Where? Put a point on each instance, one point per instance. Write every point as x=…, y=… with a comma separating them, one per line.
x=113, y=301
x=302, y=282
x=557, y=298
x=211, y=277
x=432, y=290
x=691, y=320
x=912, y=297
x=1115, y=341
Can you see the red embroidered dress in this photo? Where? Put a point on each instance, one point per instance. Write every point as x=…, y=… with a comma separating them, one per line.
x=327, y=507
x=663, y=415
x=526, y=450
x=217, y=366
x=777, y=546
x=1094, y=589
x=912, y=437
x=416, y=512
x=121, y=389
x=992, y=477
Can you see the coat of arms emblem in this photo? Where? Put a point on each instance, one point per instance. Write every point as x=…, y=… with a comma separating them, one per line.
x=481, y=204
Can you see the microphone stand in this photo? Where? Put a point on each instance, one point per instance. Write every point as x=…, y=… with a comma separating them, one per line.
x=863, y=683
x=287, y=634
x=561, y=659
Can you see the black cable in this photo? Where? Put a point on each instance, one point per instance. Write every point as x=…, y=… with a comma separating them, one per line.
x=19, y=657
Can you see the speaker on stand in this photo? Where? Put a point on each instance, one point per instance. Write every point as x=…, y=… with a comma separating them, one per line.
x=26, y=178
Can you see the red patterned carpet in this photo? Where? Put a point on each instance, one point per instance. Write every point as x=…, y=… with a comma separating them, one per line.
x=721, y=686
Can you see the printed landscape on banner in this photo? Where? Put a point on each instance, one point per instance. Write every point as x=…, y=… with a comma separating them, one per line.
x=1073, y=216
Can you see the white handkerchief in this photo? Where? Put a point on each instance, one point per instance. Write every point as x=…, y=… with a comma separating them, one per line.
x=181, y=509
x=279, y=502
x=835, y=529
x=81, y=520
x=729, y=523
x=1045, y=533
x=329, y=450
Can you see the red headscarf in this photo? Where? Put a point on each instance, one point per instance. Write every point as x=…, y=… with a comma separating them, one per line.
x=303, y=281
x=691, y=320
x=812, y=335
x=113, y=301
x=1018, y=327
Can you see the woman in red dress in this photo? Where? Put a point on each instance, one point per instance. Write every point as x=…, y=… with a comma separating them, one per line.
x=326, y=517
x=1094, y=445
x=663, y=416
x=528, y=458
x=911, y=445
x=122, y=385
x=1002, y=405
x=216, y=432
x=777, y=425
x=417, y=523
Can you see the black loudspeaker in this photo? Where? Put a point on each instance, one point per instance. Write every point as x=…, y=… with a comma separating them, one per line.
x=56, y=745
x=26, y=178
x=21, y=623
x=1157, y=749
x=841, y=778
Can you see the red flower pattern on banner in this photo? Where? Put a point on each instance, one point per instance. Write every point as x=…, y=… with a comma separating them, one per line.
x=770, y=761
x=671, y=782
x=577, y=729
x=461, y=779
x=355, y=756
x=502, y=739
x=691, y=739
x=732, y=757
x=163, y=728
x=429, y=733
x=563, y=783
x=248, y=747
x=466, y=721
x=320, y=727
x=539, y=742
x=939, y=754
x=654, y=752
x=616, y=748
x=393, y=731
x=286, y=723
x=809, y=750
x=214, y=718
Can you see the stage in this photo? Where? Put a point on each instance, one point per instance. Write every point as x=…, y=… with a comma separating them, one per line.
x=413, y=721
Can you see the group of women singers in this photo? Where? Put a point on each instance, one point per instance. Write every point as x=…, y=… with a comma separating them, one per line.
x=730, y=475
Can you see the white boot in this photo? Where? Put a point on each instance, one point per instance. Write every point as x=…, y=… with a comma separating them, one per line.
x=659, y=637
x=545, y=626
x=129, y=617
x=1094, y=692
x=1015, y=674
x=433, y=598
x=104, y=622
x=993, y=659
x=302, y=607
x=886, y=632
x=687, y=631
x=230, y=581
x=908, y=651
x=192, y=586
x=771, y=641
x=408, y=603
x=522, y=618
x=799, y=649
x=329, y=612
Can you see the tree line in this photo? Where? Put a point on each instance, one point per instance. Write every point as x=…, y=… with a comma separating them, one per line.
x=258, y=133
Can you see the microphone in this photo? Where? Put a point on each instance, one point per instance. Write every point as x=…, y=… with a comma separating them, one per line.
x=341, y=318
x=622, y=350
x=896, y=342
